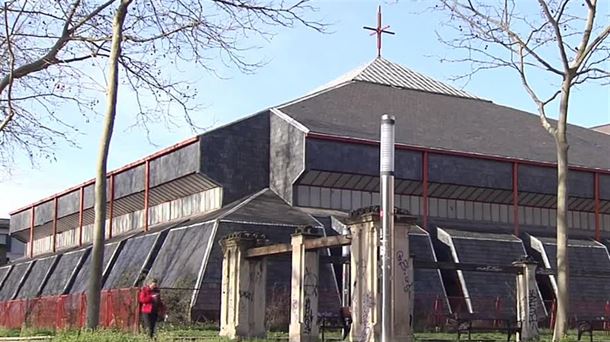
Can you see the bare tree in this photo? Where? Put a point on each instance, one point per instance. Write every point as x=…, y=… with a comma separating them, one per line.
x=48, y=45
x=51, y=51
x=559, y=38
x=97, y=255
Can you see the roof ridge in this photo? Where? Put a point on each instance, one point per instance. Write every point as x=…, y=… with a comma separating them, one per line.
x=344, y=78
x=399, y=77
x=386, y=72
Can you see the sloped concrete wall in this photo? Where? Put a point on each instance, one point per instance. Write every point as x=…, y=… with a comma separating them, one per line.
x=286, y=156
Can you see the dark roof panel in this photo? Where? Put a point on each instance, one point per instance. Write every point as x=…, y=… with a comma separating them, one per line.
x=442, y=122
x=267, y=207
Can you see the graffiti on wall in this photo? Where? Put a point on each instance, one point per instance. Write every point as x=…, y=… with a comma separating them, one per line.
x=403, y=264
x=368, y=305
x=307, y=316
x=532, y=309
x=310, y=283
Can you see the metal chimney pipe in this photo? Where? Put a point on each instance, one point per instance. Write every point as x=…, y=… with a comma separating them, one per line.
x=386, y=173
x=346, y=281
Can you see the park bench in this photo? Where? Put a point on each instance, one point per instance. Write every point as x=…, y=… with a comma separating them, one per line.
x=480, y=322
x=589, y=323
x=331, y=321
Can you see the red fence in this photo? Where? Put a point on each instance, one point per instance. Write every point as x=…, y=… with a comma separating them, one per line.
x=118, y=309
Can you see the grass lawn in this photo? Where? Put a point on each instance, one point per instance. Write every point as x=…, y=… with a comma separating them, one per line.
x=205, y=333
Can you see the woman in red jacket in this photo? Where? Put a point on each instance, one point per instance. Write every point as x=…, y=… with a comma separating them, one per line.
x=151, y=305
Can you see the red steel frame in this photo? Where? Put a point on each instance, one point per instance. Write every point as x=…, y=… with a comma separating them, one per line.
x=146, y=193
x=425, y=150
x=111, y=209
x=425, y=184
x=54, y=239
x=516, y=198
x=81, y=215
x=146, y=161
x=598, y=232
x=515, y=161
x=32, y=223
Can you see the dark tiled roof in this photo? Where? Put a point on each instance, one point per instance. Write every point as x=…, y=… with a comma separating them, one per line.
x=588, y=295
x=267, y=207
x=463, y=234
x=485, y=289
x=12, y=281
x=571, y=242
x=441, y=121
x=382, y=71
x=602, y=128
x=31, y=284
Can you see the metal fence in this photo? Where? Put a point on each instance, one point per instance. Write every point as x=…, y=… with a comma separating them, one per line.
x=119, y=309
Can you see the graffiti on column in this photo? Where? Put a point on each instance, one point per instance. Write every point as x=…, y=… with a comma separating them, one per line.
x=295, y=308
x=403, y=263
x=368, y=304
x=310, y=290
x=360, y=272
x=258, y=271
x=532, y=309
x=310, y=283
x=307, y=316
x=246, y=295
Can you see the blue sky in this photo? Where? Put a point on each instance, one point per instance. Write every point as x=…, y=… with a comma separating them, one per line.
x=297, y=61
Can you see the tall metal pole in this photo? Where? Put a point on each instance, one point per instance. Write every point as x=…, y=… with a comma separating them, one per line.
x=386, y=172
x=345, y=251
x=346, y=281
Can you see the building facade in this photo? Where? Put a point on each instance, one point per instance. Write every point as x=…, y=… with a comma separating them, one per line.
x=479, y=176
x=11, y=249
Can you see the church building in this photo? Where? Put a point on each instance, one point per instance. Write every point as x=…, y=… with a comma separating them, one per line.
x=479, y=176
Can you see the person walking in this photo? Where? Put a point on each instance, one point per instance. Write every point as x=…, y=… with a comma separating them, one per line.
x=151, y=305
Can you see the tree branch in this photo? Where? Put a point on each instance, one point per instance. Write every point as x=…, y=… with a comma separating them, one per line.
x=500, y=26
x=555, y=25
x=11, y=111
x=540, y=104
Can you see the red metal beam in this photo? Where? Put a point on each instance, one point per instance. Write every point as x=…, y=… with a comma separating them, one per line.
x=111, y=209
x=124, y=168
x=32, y=222
x=81, y=215
x=425, y=183
x=146, y=194
x=598, y=226
x=54, y=240
x=516, y=198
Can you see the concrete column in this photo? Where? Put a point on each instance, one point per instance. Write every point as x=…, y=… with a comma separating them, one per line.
x=242, y=310
x=402, y=284
x=366, y=296
x=527, y=301
x=304, y=291
x=364, y=226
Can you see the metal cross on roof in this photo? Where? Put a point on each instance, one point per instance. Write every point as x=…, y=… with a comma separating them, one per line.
x=379, y=30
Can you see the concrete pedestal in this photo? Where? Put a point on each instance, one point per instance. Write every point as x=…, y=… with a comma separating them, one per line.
x=528, y=301
x=242, y=310
x=366, y=279
x=304, y=291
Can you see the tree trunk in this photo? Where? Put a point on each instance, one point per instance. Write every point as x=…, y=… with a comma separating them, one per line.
x=561, y=323
x=563, y=295
x=99, y=227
